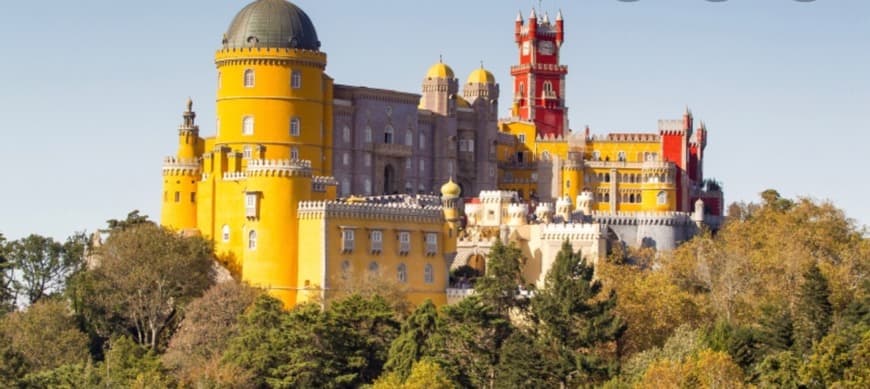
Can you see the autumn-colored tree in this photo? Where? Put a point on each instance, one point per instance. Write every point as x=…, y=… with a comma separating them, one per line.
x=45, y=336
x=709, y=369
x=424, y=374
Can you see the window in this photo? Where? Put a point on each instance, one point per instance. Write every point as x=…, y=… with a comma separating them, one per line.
x=368, y=186
x=219, y=80
x=568, y=184
x=345, y=269
x=606, y=177
x=345, y=134
x=248, y=125
x=347, y=237
x=522, y=138
x=429, y=274
x=409, y=138
x=295, y=126
x=404, y=242
x=408, y=164
x=431, y=243
x=662, y=198
x=368, y=134
x=548, y=90
x=596, y=155
x=422, y=166
x=522, y=89
x=249, y=78
x=402, y=273
x=177, y=197
x=345, y=186
x=374, y=268
x=193, y=197
x=294, y=153
x=296, y=79
x=345, y=158
x=251, y=204
x=377, y=241
x=388, y=134
x=620, y=156
x=545, y=155
x=368, y=159
x=422, y=141
x=246, y=151
x=252, y=240
x=225, y=233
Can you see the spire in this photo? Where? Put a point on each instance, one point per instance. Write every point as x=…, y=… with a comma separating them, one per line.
x=532, y=15
x=189, y=116
x=519, y=16
x=189, y=104
x=688, y=111
x=559, y=16
x=546, y=19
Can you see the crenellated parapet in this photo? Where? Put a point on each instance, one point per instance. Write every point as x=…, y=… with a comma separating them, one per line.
x=173, y=166
x=320, y=183
x=278, y=168
x=270, y=56
x=572, y=231
x=642, y=218
x=393, y=211
x=497, y=196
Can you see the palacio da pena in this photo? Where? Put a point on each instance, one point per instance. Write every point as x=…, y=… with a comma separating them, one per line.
x=307, y=184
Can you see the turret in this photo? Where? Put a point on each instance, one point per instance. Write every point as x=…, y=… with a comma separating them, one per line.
x=181, y=174
x=560, y=29
x=533, y=24
x=585, y=202
x=518, y=27
x=450, y=202
x=439, y=89
x=544, y=213
x=189, y=143
x=563, y=208
x=698, y=215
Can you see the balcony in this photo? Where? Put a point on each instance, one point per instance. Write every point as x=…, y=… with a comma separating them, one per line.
x=393, y=150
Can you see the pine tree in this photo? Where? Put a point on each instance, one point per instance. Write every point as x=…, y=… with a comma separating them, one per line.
x=413, y=342
x=814, y=312
x=522, y=364
x=574, y=322
x=499, y=287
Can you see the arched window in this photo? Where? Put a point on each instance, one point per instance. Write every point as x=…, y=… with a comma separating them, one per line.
x=402, y=273
x=606, y=177
x=345, y=186
x=607, y=197
x=248, y=125
x=225, y=233
x=345, y=158
x=631, y=198
x=567, y=183
x=295, y=126
x=521, y=91
x=409, y=138
x=429, y=274
x=374, y=268
x=368, y=186
x=621, y=156
x=252, y=240
x=368, y=134
x=345, y=270
x=345, y=133
x=296, y=79
x=368, y=159
x=388, y=134
x=249, y=78
x=294, y=153
x=662, y=197
x=422, y=141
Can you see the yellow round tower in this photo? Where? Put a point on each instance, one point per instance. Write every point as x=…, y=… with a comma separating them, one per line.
x=658, y=187
x=273, y=95
x=572, y=178
x=181, y=174
x=450, y=203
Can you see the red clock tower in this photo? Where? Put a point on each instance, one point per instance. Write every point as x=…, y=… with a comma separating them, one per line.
x=539, y=79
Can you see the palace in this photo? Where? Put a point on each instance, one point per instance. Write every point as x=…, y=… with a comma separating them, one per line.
x=307, y=185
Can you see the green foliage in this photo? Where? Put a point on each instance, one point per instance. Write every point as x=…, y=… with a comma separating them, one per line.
x=776, y=328
x=685, y=343
x=133, y=219
x=814, y=313
x=43, y=264
x=414, y=340
x=836, y=354
x=575, y=323
x=424, y=374
x=741, y=343
x=7, y=287
x=499, y=287
x=262, y=343
x=523, y=364
x=146, y=276
x=45, y=336
x=778, y=370
x=129, y=364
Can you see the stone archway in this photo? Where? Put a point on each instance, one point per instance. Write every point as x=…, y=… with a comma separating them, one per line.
x=390, y=179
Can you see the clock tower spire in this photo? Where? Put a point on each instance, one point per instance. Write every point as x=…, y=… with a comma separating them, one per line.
x=539, y=79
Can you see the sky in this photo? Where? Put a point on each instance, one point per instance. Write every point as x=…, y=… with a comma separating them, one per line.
x=92, y=91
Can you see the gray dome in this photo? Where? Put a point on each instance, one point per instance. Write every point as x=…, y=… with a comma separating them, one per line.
x=272, y=23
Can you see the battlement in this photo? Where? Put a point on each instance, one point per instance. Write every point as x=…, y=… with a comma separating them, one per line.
x=234, y=176
x=672, y=126
x=320, y=183
x=497, y=196
x=642, y=218
x=634, y=137
x=407, y=211
x=279, y=167
x=173, y=166
x=572, y=231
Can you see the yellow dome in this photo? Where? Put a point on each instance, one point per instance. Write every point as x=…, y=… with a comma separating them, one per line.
x=440, y=70
x=450, y=189
x=481, y=76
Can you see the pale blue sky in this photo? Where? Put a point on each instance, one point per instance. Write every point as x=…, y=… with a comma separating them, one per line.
x=91, y=91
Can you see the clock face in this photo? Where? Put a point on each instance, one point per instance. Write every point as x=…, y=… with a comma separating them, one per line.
x=526, y=47
x=546, y=48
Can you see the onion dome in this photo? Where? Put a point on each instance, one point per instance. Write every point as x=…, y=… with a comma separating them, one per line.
x=481, y=76
x=273, y=24
x=450, y=189
x=440, y=70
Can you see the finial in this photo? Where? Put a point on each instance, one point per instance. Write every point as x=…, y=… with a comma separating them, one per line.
x=559, y=15
x=546, y=19
x=440, y=58
x=688, y=111
x=520, y=16
x=481, y=64
x=189, y=104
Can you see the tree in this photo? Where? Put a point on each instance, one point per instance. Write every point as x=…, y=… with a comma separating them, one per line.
x=523, y=364
x=499, y=287
x=778, y=370
x=43, y=265
x=776, y=329
x=424, y=374
x=146, y=276
x=708, y=369
x=576, y=325
x=814, y=313
x=414, y=340
x=7, y=288
x=836, y=354
x=209, y=322
x=263, y=340
x=133, y=219
x=45, y=336
x=131, y=365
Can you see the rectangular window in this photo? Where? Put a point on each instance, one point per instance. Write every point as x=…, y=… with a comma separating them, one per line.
x=431, y=243
x=347, y=236
x=177, y=197
x=251, y=204
x=522, y=138
x=404, y=242
x=193, y=197
x=296, y=79
x=377, y=241
x=246, y=152
x=295, y=125
x=621, y=156
x=294, y=153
